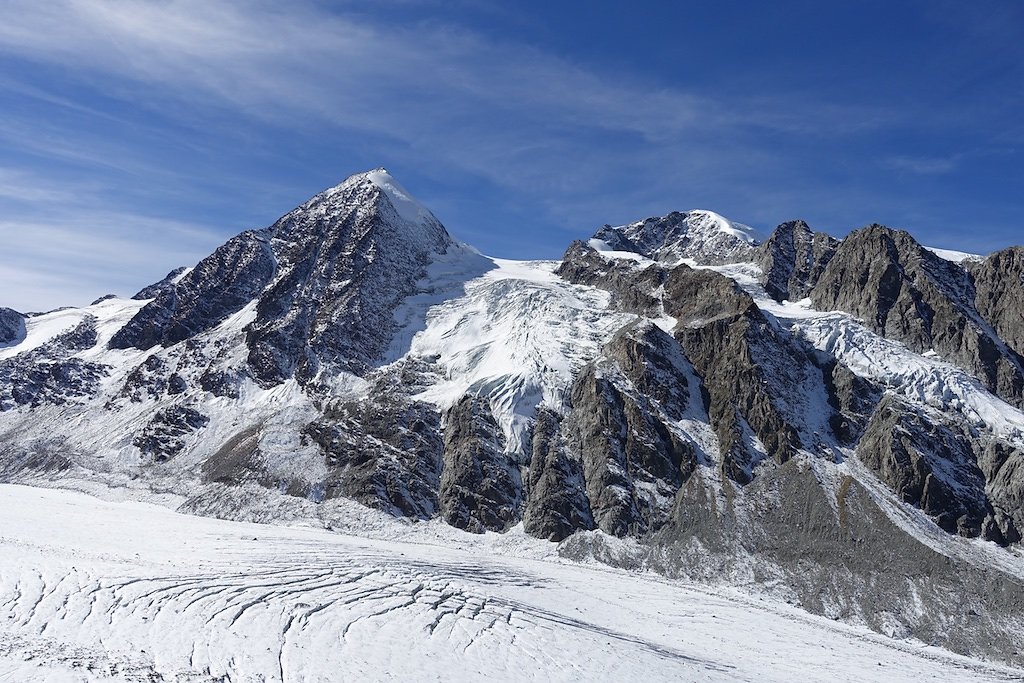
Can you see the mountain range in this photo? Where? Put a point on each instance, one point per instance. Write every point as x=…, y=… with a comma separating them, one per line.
x=836, y=421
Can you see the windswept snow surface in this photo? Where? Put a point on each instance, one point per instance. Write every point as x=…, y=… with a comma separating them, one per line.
x=955, y=256
x=97, y=591
x=406, y=206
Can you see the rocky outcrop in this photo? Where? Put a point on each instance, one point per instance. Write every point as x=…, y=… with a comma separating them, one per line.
x=12, y=326
x=332, y=306
x=931, y=466
x=633, y=461
x=634, y=288
x=905, y=292
x=737, y=352
x=384, y=454
x=157, y=288
x=481, y=485
x=999, y=294
x=49, y=374
x=792, y=260
x=219, y=286
x=557, y=503
x=168, y=433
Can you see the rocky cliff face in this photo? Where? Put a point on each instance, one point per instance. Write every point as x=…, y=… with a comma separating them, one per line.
x=999, y=294
x=793, y=259
x=12, y=326
x=907, y=293
x=788, y=412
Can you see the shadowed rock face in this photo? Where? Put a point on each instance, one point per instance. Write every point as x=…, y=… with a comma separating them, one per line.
x=557, y=505
x=219, y=286
x=386, y=455
x=12, y=326
x=999, y=294
x=932, y=467
x=737, y=352
x=633, y=462
x=481, y=486
x=793, y=259
x=904, y=292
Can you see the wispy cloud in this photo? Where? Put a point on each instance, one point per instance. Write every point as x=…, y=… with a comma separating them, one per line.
x=922, y=165
x=579, y=145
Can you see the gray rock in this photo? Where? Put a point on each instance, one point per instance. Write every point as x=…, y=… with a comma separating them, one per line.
x=905, y=292
x=157, y=288
x=481, y=485
x=12, y=326
x=167, y=434
x=49, y=374
x=219, y=286
x=931, y=466
x=632, y=289
x=999, y=294
x=693, y=235
x=834, y=553
x=633, y=462
x=737, y=352
x=345, y=259
x=556, y=504
x=793, y=259
x=384, y=454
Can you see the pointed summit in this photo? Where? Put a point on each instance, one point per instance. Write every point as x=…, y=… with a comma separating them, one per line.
x=324, y=280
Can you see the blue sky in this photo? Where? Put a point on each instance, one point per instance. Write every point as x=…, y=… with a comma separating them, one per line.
x=136, y=136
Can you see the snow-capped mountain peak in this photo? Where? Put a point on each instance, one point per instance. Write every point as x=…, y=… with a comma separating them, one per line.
x=697, y=235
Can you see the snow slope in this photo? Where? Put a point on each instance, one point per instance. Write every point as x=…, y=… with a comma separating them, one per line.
x=96, y=591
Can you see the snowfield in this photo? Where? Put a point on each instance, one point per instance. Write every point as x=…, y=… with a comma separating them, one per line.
x=96, y=591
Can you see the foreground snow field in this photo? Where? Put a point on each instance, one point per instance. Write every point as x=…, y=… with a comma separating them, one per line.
x=94, y=590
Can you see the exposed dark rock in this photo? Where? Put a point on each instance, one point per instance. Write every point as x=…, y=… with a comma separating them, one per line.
x=696, y=235
x=999, y=294
x=481, y=486
x=633, y=289
x=49, y=374
x=793, y=259
x=157, y=288
x=905, y=292
x=556, y=504
x=737, y=353
x=220, y=285
x=221, y=382
x=167, y=434
x=928, y=465
x=12, y=326
x=345, y=259
x=384, y=455
x=148, y=380
x=852, y=398
x=633, y=462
